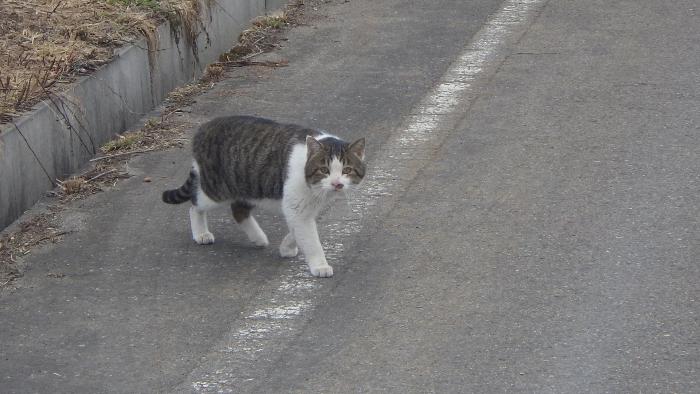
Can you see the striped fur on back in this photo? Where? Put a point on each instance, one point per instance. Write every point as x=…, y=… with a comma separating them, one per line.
x=244, y=157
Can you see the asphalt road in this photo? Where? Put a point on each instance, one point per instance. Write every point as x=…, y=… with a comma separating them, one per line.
x=531, y=224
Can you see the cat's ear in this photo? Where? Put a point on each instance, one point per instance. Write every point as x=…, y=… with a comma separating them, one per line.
x=312, y=146
x=358, y=148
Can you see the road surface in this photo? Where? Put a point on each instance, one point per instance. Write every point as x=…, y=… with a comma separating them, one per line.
x=529, y=224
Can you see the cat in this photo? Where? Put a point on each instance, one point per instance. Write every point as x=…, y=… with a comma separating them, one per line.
x=248, y=161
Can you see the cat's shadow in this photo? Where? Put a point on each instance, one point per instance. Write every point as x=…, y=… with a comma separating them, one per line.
x=232, y=251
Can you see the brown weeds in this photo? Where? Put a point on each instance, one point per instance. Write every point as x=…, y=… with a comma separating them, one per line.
x=37, y=230
x=45, y=44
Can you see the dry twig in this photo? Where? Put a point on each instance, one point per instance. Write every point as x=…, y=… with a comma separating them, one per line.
x=133, y=152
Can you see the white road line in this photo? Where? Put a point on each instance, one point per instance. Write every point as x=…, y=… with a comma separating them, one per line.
x=280, y=313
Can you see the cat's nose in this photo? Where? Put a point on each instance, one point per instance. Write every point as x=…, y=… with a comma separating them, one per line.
x=337, y=185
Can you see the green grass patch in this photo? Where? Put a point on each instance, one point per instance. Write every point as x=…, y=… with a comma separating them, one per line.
x=124, y=142
x=271, y=22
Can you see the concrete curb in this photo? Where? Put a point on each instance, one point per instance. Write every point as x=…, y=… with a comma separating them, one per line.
x=64, y=132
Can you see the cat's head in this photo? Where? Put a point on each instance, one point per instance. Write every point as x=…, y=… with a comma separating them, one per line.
x=333, y=165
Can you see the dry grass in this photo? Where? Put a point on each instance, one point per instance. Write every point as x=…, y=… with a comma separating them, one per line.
x=262, y=36
x=45, y=44
x=37, y=230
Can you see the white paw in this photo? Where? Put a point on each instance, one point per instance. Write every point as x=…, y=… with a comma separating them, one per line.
x=260, y=240
x=204, y=238
x=286, y=251
x=322, y=271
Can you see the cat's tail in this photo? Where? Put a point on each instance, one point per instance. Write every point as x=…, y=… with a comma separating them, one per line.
x=182, y=194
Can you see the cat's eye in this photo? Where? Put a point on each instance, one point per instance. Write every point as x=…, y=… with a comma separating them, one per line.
x=324, y=170
x=347, y=170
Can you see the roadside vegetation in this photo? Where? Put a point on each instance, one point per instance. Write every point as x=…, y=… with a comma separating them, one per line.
x=46, y=44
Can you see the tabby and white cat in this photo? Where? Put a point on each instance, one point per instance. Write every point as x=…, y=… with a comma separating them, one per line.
x=247, y=161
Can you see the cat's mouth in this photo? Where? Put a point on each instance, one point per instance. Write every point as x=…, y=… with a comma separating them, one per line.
x=336, y=191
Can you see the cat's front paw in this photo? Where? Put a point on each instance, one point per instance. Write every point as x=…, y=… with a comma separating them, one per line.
x=322, y=271
x=204, y=238
x=286, y=251
x=260, y=240
x=288, y=246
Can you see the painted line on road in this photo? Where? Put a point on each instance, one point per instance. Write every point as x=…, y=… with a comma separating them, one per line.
x=234, y=365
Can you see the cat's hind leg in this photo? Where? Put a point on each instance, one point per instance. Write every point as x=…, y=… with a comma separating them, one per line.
x=198, y=223
x=288, y=247
x=241, y=214
x=198, y=217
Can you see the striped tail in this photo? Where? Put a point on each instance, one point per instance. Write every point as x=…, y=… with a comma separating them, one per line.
x=184, y=193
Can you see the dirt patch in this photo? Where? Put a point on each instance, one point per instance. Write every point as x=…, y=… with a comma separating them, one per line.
x=37, y=230
x=45, y=44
